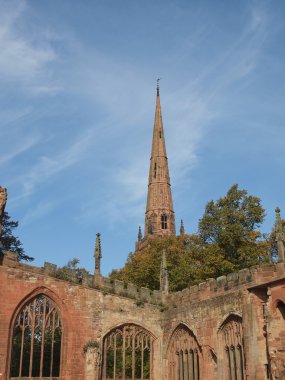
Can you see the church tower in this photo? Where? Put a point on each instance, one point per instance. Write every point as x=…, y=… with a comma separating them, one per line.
x=159, y=216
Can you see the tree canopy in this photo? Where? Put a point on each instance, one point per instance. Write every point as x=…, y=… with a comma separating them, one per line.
x=228, y=239
x=9, y=241
x=232, y=223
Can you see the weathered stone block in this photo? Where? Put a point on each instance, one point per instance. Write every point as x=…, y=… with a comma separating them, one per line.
x=221, y=281
x=145, y=294
x=132, y=290
x=119, y=287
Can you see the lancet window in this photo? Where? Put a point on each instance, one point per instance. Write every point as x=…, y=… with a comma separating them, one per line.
x=36, y=340
x=183, y=355
x=164, y=222
x=128, y=352
x=233, y=348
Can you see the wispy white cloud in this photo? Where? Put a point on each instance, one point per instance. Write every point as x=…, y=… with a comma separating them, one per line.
x=17, y=149
x=38, y=211
x=23, y=60
x=190, y=113
x=121, y=88
x=48, y=166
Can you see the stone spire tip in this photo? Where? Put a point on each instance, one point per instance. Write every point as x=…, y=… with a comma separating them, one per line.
x=157, y=86
x=182, y=230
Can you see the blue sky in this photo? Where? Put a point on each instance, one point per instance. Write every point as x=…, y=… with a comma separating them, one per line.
x=77, y=103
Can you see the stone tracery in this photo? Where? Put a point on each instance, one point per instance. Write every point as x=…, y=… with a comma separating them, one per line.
x=232, y=338
x=183, y=355
x=128, y=352
x=36, y=341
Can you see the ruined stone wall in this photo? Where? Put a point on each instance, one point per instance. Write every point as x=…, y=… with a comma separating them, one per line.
x=255, y=295
x=204, y=309
x=86, y=314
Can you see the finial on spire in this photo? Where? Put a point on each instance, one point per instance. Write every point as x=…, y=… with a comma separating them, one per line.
x=140, y=234
x=3, y=200
x=157, y=86
x=280, y=235
x=98, y=255
x=163, y=274
x=182, y=230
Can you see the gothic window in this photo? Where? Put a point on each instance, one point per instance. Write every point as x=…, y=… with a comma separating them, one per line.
x=164, y=222
x=36, y=340
x=154, y=170
x=183, y=355
x=128, y=352
x=231, y=332
x=281, y=309
x=160, y=134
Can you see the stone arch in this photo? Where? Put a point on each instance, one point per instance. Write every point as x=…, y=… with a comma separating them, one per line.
x=127, y=352
x=228, y=316
x=277, y=340
x=231, y=348
x=36, y=328
x=278, y=301
x=184, y=354
x=281, y=308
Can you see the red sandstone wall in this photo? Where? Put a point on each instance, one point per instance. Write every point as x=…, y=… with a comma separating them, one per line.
x=89, y=314
x=86, y=313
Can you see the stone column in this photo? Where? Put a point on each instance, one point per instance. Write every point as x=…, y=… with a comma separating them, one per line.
x=92, y=363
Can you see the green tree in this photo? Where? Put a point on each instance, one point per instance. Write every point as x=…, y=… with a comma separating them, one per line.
x=186, y=263
x=228, y=239
x=232, y=223
x=9, y=241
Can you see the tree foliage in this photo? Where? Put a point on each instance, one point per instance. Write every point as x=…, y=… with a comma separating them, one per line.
x=228, y=239
x=232, y=223
x=9, y=241
x=71, y=272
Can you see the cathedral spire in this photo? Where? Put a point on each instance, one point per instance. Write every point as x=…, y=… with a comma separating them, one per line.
x=159, y=217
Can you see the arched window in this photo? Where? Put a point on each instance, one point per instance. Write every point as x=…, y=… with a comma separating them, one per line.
x=128, y=351
x=232, y=339
x=281, y=309
x=164, y=222
x=36, y=340
x=183, y=355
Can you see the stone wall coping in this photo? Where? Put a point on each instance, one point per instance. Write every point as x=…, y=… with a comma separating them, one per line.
x=106, y=286
x=247, y=278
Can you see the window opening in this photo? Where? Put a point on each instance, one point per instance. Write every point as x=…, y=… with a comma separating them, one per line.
x=233, y=348
x=164, y=222
x=128, y=354
x=160, y=134
x=154, y=170
x=183, y=355
x=36, y=341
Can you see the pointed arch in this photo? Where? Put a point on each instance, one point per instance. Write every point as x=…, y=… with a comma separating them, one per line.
x=163, y=220
x=184, y=354
x=128, y=353
x=280, y=306
x=231, y=340
x=36, y=329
